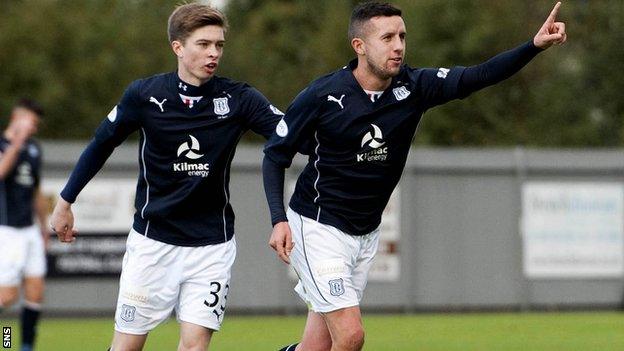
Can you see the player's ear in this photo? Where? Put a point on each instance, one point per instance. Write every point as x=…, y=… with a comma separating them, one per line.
x=176, y=46
x=358, y=46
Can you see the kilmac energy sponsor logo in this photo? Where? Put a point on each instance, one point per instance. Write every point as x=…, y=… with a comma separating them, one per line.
x=374, y=140
x=192, y=152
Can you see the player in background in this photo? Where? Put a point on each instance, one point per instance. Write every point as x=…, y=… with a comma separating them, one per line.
x=22, y=252
x=181, y=247
x=362, y=120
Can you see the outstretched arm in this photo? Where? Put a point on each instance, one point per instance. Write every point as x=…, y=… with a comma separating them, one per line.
x=506, y=64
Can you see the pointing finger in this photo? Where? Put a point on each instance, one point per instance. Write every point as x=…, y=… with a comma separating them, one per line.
x=553, y=14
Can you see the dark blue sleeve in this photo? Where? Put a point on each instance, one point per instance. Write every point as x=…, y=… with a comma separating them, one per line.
x=496, y=69
x=120, y=122
x=262, y=116
x=295, y=130
x=273, y=175
x=436, y=86
x=292, y=133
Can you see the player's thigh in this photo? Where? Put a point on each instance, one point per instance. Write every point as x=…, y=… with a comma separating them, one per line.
x=35, y=266
x=34, y=288
x=149, y=284
x=128, y=342
x=13, y=256
x=194, y=337
x=323, y=258
x=316, y=336
x=205, y=284
x=368, y=250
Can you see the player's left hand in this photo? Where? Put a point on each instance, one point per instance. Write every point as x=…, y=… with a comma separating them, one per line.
x=281, y=241
x=552, y=32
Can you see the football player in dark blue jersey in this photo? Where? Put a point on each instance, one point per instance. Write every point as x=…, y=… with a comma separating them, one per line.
x=361, y=120
x=181, y=247
x=22, y=254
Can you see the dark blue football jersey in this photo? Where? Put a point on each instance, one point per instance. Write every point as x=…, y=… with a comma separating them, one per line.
x=188, y=136
x=17, y=190
x=360, y=146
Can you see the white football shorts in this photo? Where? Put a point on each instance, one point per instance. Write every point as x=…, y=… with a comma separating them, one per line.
x=332, y=266
x=158, y=277
x=22, y=254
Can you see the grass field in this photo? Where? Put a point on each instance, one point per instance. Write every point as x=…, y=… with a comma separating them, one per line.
x=426, y=332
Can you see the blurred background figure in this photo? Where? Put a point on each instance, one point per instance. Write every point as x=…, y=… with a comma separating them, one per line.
x=22, y=253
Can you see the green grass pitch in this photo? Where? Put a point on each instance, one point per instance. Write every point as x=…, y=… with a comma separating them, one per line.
x=426, y=332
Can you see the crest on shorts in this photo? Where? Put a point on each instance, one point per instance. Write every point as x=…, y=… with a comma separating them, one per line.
x=336, y=287
x=127, y=313
x=221, y=106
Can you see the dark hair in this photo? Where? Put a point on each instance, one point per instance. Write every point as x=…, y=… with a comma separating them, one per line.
x=367, y=10
x=30, y=105
x=188, y=17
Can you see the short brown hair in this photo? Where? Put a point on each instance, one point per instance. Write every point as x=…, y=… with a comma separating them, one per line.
x=188, y=17
x=367, y=10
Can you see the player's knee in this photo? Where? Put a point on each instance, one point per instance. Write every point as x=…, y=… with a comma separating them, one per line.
x=193, y=344
x=8, y=297
x=352, y=340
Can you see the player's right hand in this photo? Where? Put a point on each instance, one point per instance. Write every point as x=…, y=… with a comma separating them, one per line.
x=281, y=241
x=62, y=222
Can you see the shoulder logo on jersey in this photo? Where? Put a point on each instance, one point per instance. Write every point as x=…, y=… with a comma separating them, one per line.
x=276, y=110
x=112, y=116
x=401, y=93
x=443, y=72
x=282, y=128
x=338, y=101
x=159, y=103
x=127, y=313
x=221, y=106
x=190, y=151
x=373, y=140
x=336, y=287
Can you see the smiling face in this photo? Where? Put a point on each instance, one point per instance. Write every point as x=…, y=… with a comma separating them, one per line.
x=381, y=48
x=199, y=54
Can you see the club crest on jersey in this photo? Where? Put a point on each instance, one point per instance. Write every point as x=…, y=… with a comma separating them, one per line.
x=127, y=313
x=336, y=287
x=401, y=93
x=221, y=106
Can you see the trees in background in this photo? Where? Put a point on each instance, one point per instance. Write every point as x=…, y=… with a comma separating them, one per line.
x=78, y=56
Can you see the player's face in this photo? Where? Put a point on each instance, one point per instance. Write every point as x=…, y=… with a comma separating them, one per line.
x=199, y=54
x=384, y=45
x=26, y=119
